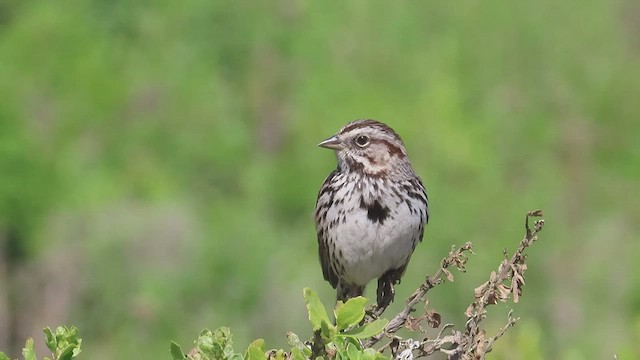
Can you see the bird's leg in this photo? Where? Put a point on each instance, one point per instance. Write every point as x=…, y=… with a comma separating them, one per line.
x=386, y=292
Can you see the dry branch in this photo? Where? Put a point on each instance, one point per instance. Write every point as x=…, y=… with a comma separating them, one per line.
x=508, y=280
x=456, y=257
x=471, y=343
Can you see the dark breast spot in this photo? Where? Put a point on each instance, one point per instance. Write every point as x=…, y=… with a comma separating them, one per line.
x=375, y=211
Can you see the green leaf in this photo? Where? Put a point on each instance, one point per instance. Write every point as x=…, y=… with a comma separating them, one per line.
x=294, y=340
x=214, y=349
x=366, y=331
x=216, y=344
x=76, y=349
x=353, y=352
x=353, y=341
x=67, y=352
x=279, y=355
x=371, y=354
x=176, y=351
x=255, y=351
x=327, y=330
x=296, y=354
x=350, y=313
x=317, y=312
x=295, y=343
x=339, y=344
x=64, y=343
x=27, y=351
x=4, y=356
x=50, y=340
x=204, y=344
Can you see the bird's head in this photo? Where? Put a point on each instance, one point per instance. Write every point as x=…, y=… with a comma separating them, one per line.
x=370, y=147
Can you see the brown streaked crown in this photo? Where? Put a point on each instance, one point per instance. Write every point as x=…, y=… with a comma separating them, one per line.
x=362, y=123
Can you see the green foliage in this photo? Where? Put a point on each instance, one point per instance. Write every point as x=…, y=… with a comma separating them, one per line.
x=255, y=351
x=350, y=313
x=176, y=351
x=28, y=352
x=63, y=343
x=211, y=345
x=348, y=316
x=299, y=350
x=343, y=337
x=354, y=353
x=317, y=313
x=341, y=340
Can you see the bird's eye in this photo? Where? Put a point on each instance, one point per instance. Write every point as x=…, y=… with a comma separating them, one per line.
x=362, y=140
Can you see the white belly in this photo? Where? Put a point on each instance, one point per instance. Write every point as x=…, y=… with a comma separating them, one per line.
x=369, y=249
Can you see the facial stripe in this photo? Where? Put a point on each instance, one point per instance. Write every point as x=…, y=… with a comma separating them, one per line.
x=394, y=150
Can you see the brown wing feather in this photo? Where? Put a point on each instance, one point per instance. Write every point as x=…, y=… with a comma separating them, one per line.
x=424, y=211
x=322, y=206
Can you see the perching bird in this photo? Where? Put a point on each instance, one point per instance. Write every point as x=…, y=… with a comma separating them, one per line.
x=370, y=212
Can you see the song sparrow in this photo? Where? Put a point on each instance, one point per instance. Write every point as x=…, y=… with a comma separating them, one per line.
x=371, y=211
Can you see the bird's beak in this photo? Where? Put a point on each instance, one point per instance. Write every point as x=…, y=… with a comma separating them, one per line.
x=332, y=143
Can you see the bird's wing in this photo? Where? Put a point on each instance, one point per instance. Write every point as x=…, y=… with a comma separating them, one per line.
x=424, y=208
x=325, y=199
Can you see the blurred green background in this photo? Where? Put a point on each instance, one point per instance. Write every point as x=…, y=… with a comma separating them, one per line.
x=159, y=168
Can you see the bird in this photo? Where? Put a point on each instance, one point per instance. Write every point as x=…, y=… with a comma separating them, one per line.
x=370, y=212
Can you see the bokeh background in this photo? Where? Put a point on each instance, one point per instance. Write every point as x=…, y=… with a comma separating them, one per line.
x=159, y=168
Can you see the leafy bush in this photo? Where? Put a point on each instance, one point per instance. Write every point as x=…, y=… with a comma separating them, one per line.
x=358, y=327
x=64, y=345
x=340, y=341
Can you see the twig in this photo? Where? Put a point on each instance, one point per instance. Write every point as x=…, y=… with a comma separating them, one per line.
x=471, y=343
x=495, y=290
x=510, y=322
x=456, y=257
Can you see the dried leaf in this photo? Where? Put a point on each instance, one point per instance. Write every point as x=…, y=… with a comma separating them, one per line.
x=502, y=292
x=480, y=290
x=448, y=274
x=535, y=213
x=517, y=281
x=470, y=310
x=460, y=261
x=480, y=343
x=516, y=292
x=413, y=323
x=433, y=319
